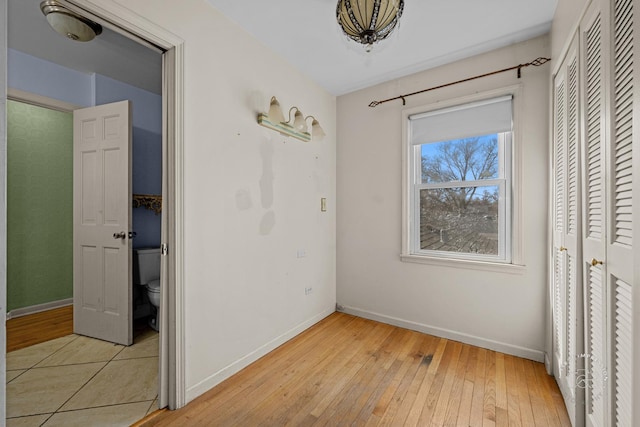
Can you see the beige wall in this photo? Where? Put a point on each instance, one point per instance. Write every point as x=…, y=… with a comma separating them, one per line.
x=564, y=24
x=252, y=197
x=492, y=309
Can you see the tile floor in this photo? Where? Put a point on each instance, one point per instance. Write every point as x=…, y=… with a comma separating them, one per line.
x=80, y=381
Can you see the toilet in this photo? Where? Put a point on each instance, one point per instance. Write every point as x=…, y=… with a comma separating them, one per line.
x=147, y=274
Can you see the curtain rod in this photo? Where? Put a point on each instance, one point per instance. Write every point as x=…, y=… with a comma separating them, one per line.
x=536, y=63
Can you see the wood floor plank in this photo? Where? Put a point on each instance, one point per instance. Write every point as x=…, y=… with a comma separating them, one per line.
x=513, y=398
x=358, y=389
x=422, y=398
x=413, y=403
x=351, y=371
x=36, y=328
x=426, y=354
x=379, y=388
x=554, y=395
x=466, y=399
x=333, y=379
x=538, y=406
x=434, y=381
x=336, y=406
x=541, y=381
x=464, y=416
x=502, y=403
x=477, y=400
x=524, y=398
x=269, y=391
x=280, y=407
x=410, y=348
x=489, y=403
x=253, y=376
x=448, y=378
x=455, y=397
x=409, y=363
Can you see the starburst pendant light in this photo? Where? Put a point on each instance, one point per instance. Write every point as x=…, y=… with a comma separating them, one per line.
x=368, y=21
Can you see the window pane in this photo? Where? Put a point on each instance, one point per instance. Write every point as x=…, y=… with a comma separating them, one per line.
x=460, y=219
x=468, y=159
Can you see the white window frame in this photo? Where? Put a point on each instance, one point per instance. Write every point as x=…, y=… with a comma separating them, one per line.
x=504, y=220
x=510, y=247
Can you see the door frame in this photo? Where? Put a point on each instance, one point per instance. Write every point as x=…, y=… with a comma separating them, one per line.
x=172, y=348
x=3, y=208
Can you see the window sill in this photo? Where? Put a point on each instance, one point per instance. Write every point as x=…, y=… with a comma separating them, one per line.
x=465, y=263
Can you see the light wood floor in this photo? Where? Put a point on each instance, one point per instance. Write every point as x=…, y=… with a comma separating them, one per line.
x=35, y=328
x=351, y=371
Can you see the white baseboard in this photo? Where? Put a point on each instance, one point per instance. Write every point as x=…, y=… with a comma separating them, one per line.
x=511, y=349
x=24, y=311
x=224, y=373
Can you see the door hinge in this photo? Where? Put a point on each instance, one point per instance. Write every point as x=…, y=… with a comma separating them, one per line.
x=164, y=249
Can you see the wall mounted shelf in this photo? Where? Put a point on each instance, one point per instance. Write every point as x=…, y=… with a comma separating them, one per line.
x=149, y=201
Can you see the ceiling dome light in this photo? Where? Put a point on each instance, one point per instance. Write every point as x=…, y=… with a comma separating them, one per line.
x=68, y=23
x=368, y=21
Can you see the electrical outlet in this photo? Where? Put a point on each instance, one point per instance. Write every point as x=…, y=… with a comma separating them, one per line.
x=301, y=253
x=308, y=291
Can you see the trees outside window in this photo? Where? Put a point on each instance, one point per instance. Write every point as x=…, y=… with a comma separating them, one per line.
x=461, y=218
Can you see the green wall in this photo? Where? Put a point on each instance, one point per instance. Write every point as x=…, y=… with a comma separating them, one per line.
x=39, y=205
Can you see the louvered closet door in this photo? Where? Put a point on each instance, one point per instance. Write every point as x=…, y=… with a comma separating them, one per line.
x=567, y=237
x=619, y=262
x=559, y=222
x=593, y=31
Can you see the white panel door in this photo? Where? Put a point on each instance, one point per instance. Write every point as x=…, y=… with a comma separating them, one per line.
x=102, y=282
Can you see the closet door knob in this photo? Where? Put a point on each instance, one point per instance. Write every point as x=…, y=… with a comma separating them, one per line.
x=562, y=249
x=595, y=262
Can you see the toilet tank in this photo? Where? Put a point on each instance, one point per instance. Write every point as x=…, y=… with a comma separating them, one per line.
x=146, y=265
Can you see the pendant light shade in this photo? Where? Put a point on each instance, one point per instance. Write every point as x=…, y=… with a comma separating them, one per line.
x=368, y=21
x=69, y=24
x=318, y=132
x=298, y=122
x=275, y=112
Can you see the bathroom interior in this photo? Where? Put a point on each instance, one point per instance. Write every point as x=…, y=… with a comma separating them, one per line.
x=40, y=193
x=40, y=160
x=40, y=201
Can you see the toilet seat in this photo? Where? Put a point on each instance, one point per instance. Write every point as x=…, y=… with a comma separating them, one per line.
x=154, y=286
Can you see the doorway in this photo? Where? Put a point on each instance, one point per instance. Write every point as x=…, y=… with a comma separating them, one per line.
x=171, y=377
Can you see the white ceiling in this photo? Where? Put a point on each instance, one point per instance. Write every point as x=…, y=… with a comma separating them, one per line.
x=431, y=33
x=305, y=33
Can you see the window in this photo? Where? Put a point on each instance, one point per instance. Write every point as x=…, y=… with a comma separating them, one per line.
x=459, y=173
